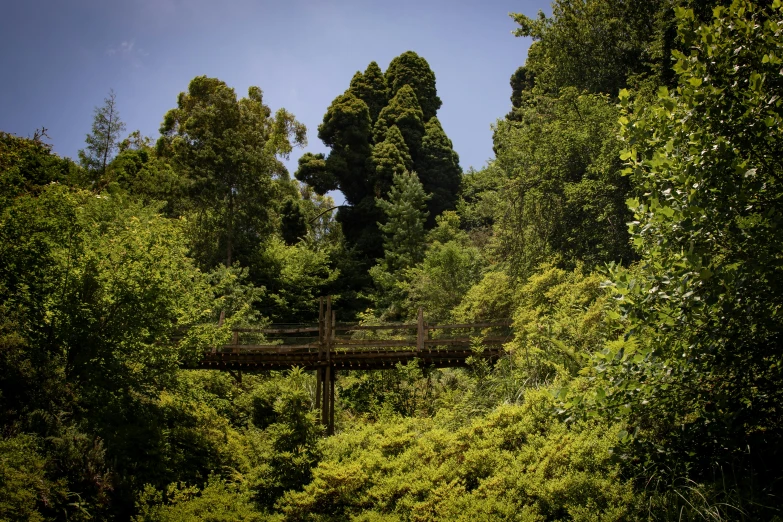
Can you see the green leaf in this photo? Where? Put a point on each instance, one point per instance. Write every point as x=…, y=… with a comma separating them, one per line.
x=755, y=81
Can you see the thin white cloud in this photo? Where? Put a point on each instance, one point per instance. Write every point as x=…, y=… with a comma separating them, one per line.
x=129, y=51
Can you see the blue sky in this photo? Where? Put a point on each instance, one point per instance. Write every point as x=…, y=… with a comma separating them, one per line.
x=60, y=58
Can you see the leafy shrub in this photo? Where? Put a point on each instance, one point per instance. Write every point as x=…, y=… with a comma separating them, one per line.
x=516, y=462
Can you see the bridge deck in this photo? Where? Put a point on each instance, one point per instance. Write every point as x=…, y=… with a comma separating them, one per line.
x=351, y=359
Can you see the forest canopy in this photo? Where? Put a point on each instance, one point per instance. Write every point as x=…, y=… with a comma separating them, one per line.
x=627, y=228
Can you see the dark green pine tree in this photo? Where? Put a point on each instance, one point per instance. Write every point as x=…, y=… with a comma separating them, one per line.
x=522, y=82
x=389, y=158
x=371, y=88
x=439, y=170
x=375, y=129
x=346, y=130
x=411, y=69
x=406, y=214
x=293, y=225
x=405, y=112
x=312, y=171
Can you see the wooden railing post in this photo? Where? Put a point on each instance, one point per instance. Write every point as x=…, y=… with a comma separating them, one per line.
x=327, y=381
x=234, y=342
x=319, y=370
x=333, y=336
x=420, y=331
x=333, y=370
x=328, y=321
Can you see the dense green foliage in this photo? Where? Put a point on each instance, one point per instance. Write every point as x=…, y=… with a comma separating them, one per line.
x=628, y=227
x=227, y=150
x=701, y=310
x=516, y=463
x=382, y=125
x=564, y=194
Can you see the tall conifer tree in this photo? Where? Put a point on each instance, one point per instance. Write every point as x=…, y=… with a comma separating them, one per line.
x=104, y=139
x=390, y=158
x=411, y=69
x=376, y=129
x=371, y=88
x=346, y=130
x=406, y=213
x=438, y=168
x=405, y=112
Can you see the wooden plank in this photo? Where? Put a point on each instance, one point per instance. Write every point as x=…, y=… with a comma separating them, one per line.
x=310, y=358
x=273, y=348
x=299, y=329
x=351, y=328
x=466, y=340
x=380, y=356
x=468, y=325
x=370, y=343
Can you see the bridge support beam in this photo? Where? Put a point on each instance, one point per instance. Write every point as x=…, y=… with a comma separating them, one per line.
x=318, y=385
x=330, y=427
x=325, y=375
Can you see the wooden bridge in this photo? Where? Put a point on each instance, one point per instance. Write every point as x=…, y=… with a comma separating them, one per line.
x=328, y=347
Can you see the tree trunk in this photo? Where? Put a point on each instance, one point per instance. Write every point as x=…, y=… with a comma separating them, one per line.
x=108, y=134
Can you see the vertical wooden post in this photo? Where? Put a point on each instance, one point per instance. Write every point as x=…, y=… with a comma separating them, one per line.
x=235, y=346
x=321, y=321
x=330, y=430
x=318, y=370
x=328, y=377
x=326, y=398
x=420, y=331
x=327, y=369
x=333, y=333
x=328, y=319
x=333, y=330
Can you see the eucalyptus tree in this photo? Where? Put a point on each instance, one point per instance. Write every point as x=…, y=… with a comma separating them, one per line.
x=229, y=151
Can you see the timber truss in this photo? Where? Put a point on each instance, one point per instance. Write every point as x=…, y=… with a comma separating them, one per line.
x=328, y=347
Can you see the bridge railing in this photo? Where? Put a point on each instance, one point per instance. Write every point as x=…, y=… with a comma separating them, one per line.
x=337, y=338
